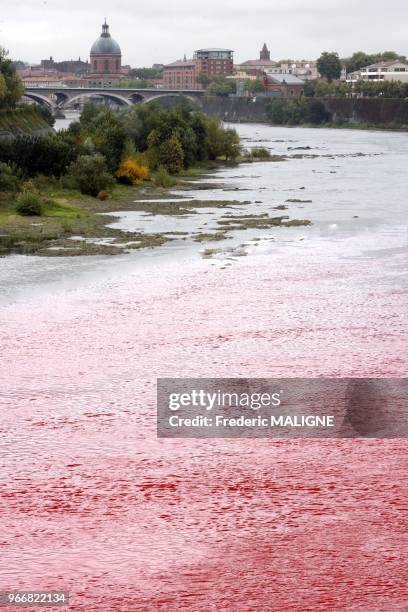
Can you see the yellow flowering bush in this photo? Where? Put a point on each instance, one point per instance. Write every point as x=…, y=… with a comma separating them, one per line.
x=131, y=172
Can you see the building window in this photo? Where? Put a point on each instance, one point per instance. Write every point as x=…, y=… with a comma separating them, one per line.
x=117, y=65
x=106, y=66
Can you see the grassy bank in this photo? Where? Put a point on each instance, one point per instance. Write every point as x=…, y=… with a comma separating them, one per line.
x=73, y=224
x=26, y=120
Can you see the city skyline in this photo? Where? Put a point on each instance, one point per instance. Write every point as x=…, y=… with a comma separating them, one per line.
x=33, y=30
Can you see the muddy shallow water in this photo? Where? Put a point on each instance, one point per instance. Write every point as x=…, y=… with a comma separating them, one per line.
x=95, y=504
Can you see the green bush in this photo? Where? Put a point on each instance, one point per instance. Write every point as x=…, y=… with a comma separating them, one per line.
x=163, y=179
x=260, y=153
x=221, y=142
x=10, y=177
x=90, y=175
x=29, y=203
x=48, y=155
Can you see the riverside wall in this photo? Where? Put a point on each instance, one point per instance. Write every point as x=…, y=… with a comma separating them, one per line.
x=381, y=112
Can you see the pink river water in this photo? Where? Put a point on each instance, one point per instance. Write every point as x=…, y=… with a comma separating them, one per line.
x=94, y=504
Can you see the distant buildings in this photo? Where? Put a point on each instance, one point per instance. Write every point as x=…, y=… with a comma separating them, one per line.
x=283, y=85
x=181, y=75
x=263, y=64
x=184, y=74
x=214, y=62
x=304, y=69
x=105, y=68
x=77, y=67
x=38, y=77
x=382, y=71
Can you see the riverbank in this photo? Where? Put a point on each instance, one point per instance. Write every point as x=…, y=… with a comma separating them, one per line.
x=22, y=122
x=356, y=113
x=73, y=224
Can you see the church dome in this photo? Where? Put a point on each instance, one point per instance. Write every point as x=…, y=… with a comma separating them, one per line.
x=105, y=44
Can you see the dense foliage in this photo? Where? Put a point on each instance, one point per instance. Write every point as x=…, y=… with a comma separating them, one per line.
x=329, y=65
x=340, y=89
x=89, y=174
x=360, y=59
x=10, y=177
x=11, y=86
x=48, y=155
x=104, y=146
x=146, y=73
x=294, y=111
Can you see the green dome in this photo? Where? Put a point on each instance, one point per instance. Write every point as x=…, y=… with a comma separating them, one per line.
x=105, y=44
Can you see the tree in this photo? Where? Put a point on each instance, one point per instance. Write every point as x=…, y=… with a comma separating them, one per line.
x=231, y=145
x=221, y=142
x=309, y=89
x=329, y=65
x=203, y=78
x=146, y=73
x=49, y=155
x=221, y=86
x=11, y=86
x=105, y=130
x=171, y=155
x=90, y=175
x=277, y=111
x=254, y=86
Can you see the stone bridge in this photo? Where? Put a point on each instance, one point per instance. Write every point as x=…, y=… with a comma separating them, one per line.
x=61, y=97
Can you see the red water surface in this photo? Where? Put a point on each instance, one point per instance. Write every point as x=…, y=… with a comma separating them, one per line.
x=95, y=504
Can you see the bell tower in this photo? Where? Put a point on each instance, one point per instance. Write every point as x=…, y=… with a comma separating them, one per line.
x=265, y=54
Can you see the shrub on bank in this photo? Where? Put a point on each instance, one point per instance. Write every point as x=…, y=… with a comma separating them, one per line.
x=259, y=153
x=89, y=174
x=163, y=179
x=131, y=173
x=48, y=155
x=10, y=177
x=29, y=203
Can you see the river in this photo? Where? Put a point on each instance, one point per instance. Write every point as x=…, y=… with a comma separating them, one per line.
x=95, y=504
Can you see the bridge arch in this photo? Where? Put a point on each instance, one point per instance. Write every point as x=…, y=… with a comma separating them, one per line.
x=171, y=95
x=136, y=98
x=106, y=94
x=40, y=99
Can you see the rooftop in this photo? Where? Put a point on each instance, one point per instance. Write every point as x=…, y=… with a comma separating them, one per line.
x=258, y=62
x=281, y=78
x=181, y=64
x=214, y=49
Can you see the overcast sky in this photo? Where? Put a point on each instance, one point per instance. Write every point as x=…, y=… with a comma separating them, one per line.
x=161, y=31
